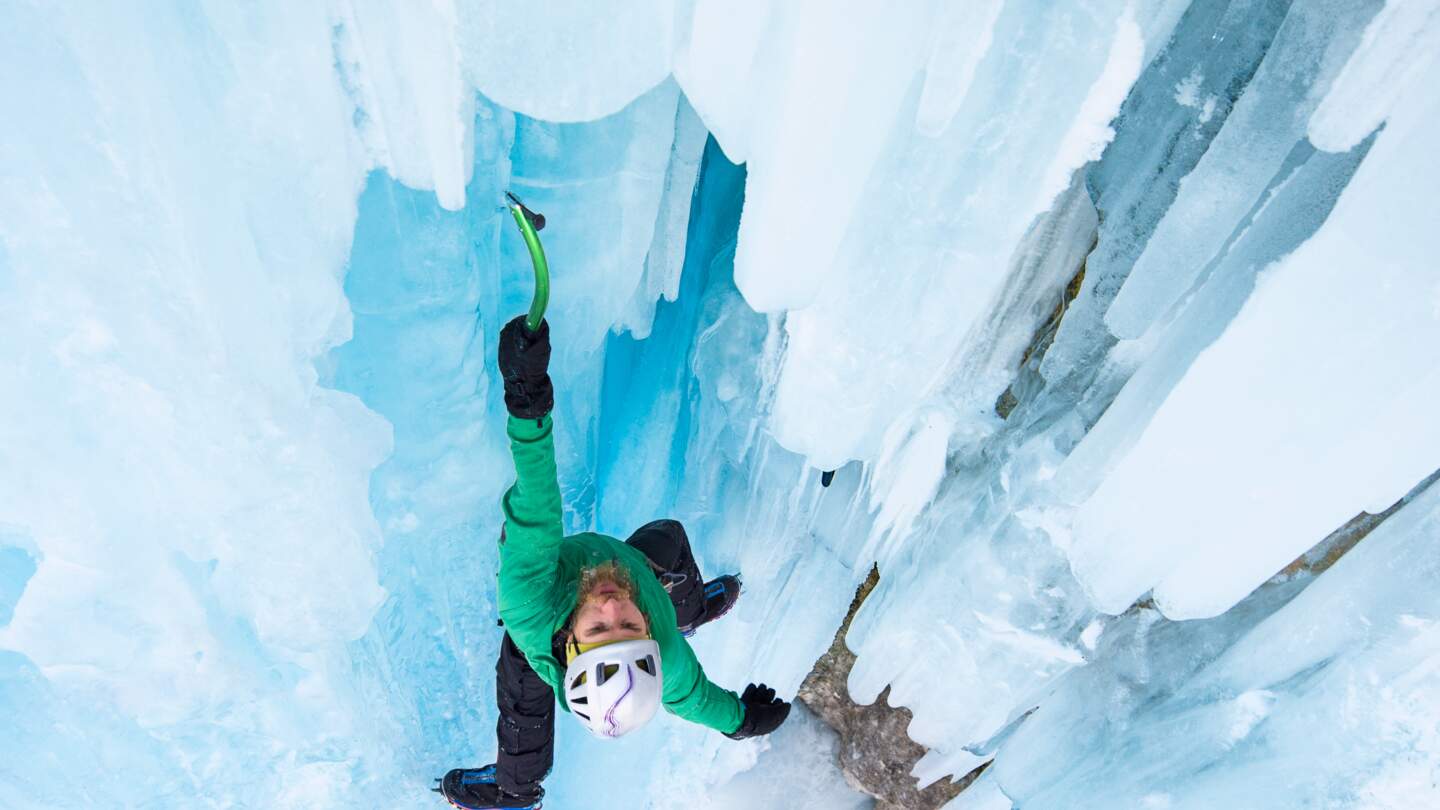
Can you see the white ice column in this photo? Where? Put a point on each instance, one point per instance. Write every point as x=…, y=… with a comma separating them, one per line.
x=1316, y=403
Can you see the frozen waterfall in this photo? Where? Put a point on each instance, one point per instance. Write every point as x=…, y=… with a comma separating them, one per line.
x=1117, y=322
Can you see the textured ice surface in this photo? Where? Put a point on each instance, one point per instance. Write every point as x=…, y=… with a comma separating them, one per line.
x=402, y=69
x=1355, y=303
x=175, y=211
x=1231, y=710
x=566, y=60
x=1309, y=48
x=795, y=769
x=253, y=259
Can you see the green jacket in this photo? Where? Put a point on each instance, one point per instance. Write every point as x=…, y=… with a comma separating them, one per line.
x=540, y=574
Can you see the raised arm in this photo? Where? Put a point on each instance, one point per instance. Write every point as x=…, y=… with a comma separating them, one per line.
x=533, y=528
x=532, y=512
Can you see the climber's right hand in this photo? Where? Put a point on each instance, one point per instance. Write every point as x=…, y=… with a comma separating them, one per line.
x=524, y=366
x=763, y=712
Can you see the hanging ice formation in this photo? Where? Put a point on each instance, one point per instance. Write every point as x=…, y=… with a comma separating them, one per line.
x=1108, y=317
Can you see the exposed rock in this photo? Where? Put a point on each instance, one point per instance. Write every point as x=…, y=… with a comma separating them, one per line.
x=1028, y=375
x=876, y=754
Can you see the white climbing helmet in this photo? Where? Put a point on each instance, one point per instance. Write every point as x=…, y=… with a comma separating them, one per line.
x=615, y=689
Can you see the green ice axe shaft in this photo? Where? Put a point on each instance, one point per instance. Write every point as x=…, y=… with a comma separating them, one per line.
x=530, y=224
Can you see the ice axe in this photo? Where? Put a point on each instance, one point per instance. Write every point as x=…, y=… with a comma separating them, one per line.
x=530, y=224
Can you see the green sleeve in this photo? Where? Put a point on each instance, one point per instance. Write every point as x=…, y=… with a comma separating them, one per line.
x=529, y=552
x=690, y=695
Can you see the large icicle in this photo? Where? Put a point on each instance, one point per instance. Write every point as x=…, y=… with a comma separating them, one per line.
x=177, y=204
x=1274, y=435
x=1245, y=709
x=403, y=67
x=569, y=60
x=1309, y=48
x=929, y=243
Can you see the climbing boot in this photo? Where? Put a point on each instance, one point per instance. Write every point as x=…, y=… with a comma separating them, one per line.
x=721, y=594
x=475, y=789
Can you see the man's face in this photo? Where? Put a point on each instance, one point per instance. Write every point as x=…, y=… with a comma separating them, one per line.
x=606, y=610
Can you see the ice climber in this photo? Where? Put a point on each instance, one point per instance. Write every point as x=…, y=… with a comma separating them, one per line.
x=599, y=623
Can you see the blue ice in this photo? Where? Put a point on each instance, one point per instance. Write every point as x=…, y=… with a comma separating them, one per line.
x=1114, y=322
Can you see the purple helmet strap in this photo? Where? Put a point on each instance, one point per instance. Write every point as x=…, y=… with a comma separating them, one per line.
x=610, y=713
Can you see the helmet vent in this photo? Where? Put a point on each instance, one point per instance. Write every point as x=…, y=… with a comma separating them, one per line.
x=582, y=700
x=605, y=672
x=582, y=714
x=646, y=665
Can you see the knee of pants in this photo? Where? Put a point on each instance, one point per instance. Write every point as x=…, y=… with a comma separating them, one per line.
x=663, y=541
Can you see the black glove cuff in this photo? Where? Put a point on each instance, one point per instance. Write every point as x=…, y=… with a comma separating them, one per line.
x=747, y=726
x=529, y=399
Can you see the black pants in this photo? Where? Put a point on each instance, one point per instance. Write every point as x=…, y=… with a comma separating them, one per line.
x=526, y=731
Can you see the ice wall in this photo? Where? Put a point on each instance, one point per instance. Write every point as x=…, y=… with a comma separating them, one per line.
x=189, y=505
x=1103, y=311
x=1229, y=434
x=1231, y=709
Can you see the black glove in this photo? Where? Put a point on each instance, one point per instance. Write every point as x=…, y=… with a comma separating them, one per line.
x=763, y=712
x=524, y=363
